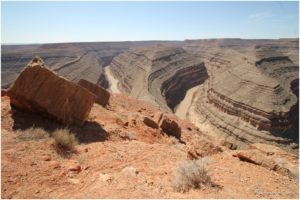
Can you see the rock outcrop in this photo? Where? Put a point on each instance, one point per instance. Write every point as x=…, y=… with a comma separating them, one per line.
x=101, y=94
x=38, y=89
x=170, y=127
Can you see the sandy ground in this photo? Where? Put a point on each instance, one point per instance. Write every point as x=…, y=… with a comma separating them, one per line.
x=182, y=108
x=112, y=81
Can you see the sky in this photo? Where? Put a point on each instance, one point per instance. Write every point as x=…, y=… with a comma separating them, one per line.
x=53, y=22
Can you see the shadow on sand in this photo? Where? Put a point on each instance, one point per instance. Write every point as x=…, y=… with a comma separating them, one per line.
x=90, y=131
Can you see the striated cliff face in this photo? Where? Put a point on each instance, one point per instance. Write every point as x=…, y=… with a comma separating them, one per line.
x=158, y=74
x=71, y=60
x=251, y=96
x=174, y=88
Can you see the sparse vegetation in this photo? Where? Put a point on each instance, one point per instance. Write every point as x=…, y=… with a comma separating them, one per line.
x=191, y=174
x=32, y=133
x=64, y=139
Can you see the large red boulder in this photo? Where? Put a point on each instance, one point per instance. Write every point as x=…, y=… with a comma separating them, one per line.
x=101, y=93
x=40, y=90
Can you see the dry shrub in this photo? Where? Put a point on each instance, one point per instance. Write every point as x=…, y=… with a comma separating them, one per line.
x=192, y=174
x=64, y=139
x=32, y=133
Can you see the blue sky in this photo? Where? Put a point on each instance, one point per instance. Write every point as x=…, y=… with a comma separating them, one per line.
x=48, y=22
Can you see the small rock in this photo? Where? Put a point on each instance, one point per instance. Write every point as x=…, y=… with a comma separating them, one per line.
x=74, y=181
x=151, y=123
x=133, y=117
x=33, y=163
x=120, y=122
x=46, y=157
x=229, y=145
x=54, y=164
x=192, y=155
x=189, y=129
x=74, y=166
x=126, y=124
x=129, y=171
x=106, y=178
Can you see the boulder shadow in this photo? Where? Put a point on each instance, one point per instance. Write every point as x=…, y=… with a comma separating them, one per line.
x=90, y=131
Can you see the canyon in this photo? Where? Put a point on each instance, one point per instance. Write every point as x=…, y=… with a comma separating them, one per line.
x=140, y=109
x=245, y=90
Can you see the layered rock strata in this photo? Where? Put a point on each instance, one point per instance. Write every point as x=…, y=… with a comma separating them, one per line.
x=250, y=98
x=158, y=74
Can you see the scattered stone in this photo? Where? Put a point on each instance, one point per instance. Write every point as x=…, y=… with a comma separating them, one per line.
x=246, y=158
x=74, y=181
x=129, y=171
x=106, y=178
x=40, y=90
x=170, y=127
x=229, y=145
x=102, y=95
x=46, y=157
x=133, y=117
x=120, y=122
x=276, y=162
x=126, y=124
x=128, y=135
x=192, y=155
x=54, y=164
x=149, y=122
x=73, y=165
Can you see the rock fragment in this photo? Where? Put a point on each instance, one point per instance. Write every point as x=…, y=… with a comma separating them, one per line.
x=102, y=95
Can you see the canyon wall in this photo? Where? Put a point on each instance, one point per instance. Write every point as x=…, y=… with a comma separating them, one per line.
x=158, y=74
x=250, y=97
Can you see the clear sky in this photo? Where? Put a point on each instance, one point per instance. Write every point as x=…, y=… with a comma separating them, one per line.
x=48, y=22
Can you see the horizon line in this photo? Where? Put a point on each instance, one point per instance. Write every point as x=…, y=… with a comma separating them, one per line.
x=123, y=41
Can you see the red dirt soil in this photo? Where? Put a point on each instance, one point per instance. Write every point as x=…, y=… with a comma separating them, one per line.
x=33, y=168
